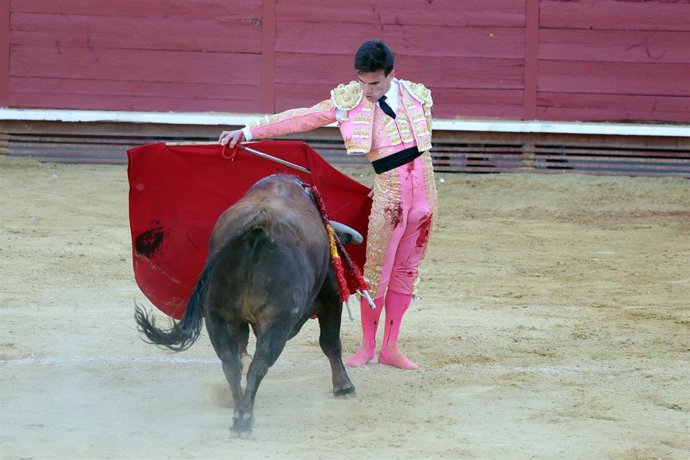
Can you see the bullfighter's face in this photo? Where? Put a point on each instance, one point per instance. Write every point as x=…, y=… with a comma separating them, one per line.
x=375, y=84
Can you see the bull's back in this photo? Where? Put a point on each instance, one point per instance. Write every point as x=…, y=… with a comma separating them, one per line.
x=279, y=205
x=272, y=245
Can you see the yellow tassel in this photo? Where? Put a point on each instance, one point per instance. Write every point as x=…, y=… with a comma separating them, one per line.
x=331, y=239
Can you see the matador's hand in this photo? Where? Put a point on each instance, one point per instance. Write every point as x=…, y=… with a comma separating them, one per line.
x=230, y=138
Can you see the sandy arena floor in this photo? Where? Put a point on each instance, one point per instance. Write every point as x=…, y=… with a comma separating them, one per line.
x=554, y=322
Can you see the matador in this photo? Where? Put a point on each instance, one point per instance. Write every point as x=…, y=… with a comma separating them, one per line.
x=388, y=120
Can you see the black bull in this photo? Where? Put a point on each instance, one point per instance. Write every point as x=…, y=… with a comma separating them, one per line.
x=268, y=267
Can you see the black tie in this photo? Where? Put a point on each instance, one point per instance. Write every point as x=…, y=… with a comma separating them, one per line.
x=385, y=107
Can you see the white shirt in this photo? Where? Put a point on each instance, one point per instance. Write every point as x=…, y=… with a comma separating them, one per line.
x=392, y=95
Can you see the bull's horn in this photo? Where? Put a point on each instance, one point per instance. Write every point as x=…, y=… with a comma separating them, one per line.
x=356, y=237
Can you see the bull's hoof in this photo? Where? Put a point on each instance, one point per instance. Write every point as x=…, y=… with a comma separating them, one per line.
x=249, y=435
x=346, y=391
x=242, y=425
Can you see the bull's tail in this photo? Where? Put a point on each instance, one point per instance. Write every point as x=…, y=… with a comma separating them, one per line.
x=182, y=334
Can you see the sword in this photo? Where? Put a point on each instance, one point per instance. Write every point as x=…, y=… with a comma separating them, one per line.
x=231, y=156
x=267, y=157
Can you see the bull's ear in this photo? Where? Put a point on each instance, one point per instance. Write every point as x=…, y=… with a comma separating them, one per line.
x=347, y=234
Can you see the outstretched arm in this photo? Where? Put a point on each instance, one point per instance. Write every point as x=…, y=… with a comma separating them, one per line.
x=289, y=122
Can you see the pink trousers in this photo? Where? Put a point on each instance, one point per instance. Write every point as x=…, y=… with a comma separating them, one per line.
x=398, y=235
x=411, y=222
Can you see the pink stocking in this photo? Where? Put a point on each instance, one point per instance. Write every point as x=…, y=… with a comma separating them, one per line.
x=370, y=322
x=396, y=306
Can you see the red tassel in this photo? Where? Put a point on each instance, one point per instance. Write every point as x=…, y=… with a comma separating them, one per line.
x=340, y=277
x=350, y=281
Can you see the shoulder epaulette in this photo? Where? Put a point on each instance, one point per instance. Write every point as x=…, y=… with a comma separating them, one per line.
x=419, y=92
x=347, y=96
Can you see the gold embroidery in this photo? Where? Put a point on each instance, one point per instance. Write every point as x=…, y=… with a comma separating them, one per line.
x=404, y=128
x=381, y=223
x=358, y=123
x=288, y=115
x=360, y=141
x=383, y=217
x=421, y=125
x=347, y=96
x=419, y=91
x=413, y=124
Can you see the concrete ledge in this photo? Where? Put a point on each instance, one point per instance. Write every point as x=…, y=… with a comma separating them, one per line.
x=238, y=119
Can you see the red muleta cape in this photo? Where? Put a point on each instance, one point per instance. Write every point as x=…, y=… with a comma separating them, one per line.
x=178, y=192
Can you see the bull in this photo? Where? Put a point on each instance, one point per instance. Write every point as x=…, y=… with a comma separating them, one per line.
x=269, y=268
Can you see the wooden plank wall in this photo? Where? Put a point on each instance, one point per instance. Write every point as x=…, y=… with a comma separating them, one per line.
x=470, y=52
x=178, y=55
x=589, y=60
x=4, y=52
x=614, y=60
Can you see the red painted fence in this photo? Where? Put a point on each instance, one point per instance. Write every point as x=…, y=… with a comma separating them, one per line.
x=589, y=60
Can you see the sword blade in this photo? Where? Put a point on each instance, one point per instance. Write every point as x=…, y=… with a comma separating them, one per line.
x=276, y=160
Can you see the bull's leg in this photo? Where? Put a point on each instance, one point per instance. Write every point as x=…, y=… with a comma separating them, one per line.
x=243, y=338
x=242, y=342
x=270, y=342
x=224, y=340
x=330, y=315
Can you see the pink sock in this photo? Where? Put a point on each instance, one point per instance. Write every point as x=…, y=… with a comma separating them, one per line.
x=370, y=322
x=396, y=306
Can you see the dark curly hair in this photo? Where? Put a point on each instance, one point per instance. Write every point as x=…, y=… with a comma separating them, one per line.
x=373, y=56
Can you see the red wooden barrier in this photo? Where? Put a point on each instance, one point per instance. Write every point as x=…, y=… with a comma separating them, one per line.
x=589, y=60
